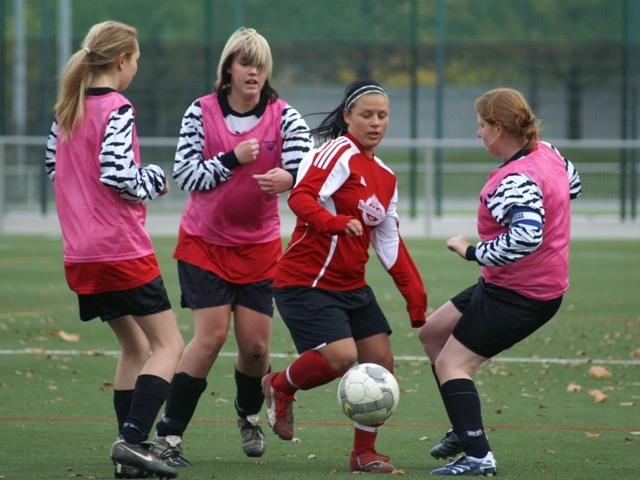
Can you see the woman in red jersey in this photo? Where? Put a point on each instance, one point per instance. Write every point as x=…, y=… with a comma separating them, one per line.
x=524, y=222
x=101, y=190
x=345, y=201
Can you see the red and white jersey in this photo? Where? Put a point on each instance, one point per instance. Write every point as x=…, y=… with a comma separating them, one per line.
x=338, y=182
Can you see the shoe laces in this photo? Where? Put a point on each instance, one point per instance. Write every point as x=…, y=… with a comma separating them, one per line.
x=450, y=437
x=283, y=404
x=250, y=427
x=373, y=456
x=171, y=446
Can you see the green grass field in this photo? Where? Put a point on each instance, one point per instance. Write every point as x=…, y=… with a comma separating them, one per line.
x=56, y=415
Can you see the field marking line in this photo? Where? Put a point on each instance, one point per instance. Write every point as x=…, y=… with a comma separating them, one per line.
x=346, y=423
x=404, y=358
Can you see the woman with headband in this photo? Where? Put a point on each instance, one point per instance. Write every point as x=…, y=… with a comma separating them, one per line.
x=345, y=201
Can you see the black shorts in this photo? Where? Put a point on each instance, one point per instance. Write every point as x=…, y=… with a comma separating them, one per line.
x=316, y=317
x=495, y=318
x=144, y=300
x=201, y=288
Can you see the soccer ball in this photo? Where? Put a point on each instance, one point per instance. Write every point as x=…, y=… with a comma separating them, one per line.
x=368, y=393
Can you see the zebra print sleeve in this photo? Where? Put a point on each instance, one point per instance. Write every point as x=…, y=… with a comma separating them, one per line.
x=191, y=170
x=296, y=140
x=520, y=239
x=118, y=166
x=575, y=185
x=50, y=153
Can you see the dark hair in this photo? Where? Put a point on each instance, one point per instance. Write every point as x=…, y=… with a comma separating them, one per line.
x=333, y=124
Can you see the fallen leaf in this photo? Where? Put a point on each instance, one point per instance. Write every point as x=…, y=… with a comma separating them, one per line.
x=105, y=386
x=598, y=371
x=591, y=435
x=598, y=396
x=635, y=353
x=69, y=337
x=574, y=388
x=34, y=350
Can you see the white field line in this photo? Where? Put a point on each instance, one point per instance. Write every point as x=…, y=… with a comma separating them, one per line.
x=411, y=358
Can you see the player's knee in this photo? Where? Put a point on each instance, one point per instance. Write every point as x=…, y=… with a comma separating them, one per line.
x=340, y=364
x=255, y=352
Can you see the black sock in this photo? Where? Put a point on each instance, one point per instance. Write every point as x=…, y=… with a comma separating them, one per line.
x=462, y=402
x=435, y=375
x=148, y=397
x=249, y=396
x=122, y=404
x=184, y=393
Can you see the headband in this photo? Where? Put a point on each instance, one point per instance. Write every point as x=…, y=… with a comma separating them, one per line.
x=88, y=50
x=367, y=89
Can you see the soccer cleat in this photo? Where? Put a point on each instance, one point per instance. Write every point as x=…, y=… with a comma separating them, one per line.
x=253, y=442
x=448, y=447
x=466, y=465
x=141, y=456
x=279, y=409
x=371, y=462
x=168, y=449
x=127, y=471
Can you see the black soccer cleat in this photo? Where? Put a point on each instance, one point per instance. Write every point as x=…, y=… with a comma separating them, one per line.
x=141, y=456
x=448, y=447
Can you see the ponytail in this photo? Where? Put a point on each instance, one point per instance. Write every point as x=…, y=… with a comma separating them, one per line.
x=102, y=46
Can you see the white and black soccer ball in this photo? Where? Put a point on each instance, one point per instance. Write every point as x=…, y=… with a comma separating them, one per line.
x=368, y=393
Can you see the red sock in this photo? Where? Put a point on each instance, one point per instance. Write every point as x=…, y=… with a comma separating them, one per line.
x=364, y=440
x=309, y=370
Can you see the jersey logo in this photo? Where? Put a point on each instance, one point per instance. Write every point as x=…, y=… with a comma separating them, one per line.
x=372, y=211
x=363, y=182
x=270, y=144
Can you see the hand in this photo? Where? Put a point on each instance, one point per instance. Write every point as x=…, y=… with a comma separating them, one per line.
x=276, y=180
x=165, y=189
x=458, y=244
x=354, y=228
x=247, y=151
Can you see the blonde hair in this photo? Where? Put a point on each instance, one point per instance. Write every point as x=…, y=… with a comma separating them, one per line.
x=509, y=108
x=100, y=50
x=253, y=49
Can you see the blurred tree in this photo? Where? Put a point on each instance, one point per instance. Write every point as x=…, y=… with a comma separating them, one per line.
x=573, y=44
